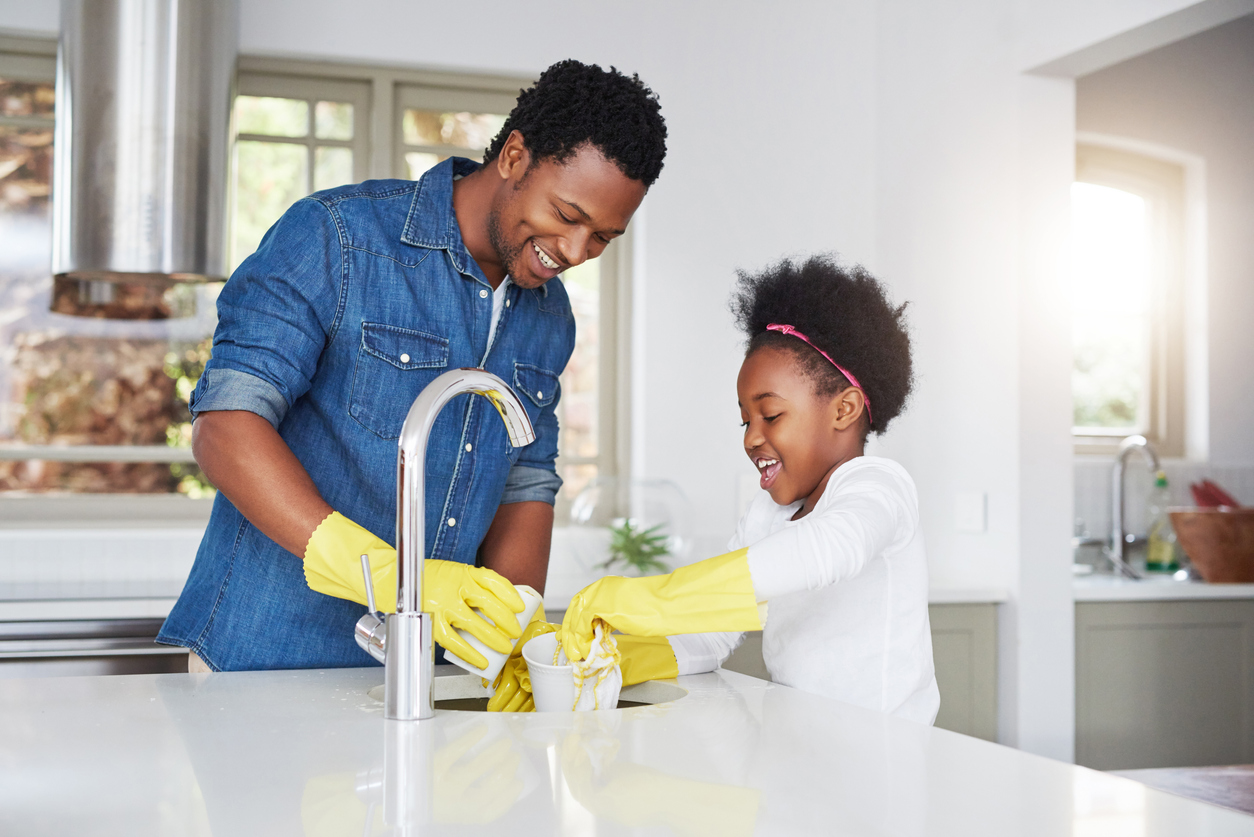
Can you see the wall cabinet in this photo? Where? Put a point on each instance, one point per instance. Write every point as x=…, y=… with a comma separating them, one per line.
x=1164, y=683
x=964, y=647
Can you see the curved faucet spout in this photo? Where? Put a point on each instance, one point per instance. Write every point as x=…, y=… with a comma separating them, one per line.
x=411, y=465
x=1118, y=537
x=406, y=643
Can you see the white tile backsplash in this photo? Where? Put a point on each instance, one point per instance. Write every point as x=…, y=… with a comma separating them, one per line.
x=1092, y=489
x=75, y=556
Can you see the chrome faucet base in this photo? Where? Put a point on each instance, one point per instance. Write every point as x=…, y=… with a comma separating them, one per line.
x=410, y=660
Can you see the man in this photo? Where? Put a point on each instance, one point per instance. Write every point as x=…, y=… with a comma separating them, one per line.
x=357, y=299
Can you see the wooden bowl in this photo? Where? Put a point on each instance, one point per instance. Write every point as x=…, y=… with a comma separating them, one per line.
x=1219, y=542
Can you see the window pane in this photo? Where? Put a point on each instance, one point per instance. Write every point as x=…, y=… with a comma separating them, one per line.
x=579, y=405
x=332, y=167
x=333, y=120
x=575, y=478
x=271, y=116
x=419, y=161
x=39, y=476
x=466, y=130
x=78, y=380
x=1111, y=296
x=25, y=98
x=25, y=181
x=269, y=177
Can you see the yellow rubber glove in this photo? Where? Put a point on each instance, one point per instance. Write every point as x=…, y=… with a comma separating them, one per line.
x=712, y=595
x=512, y=690
x=646, y=658
x=449, y=589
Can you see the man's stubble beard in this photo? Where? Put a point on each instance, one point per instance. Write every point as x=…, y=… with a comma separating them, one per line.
x=507, y=256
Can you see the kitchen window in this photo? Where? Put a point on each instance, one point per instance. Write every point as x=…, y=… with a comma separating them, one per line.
x=87, y=406
x=92, y=407
x=1128, y=289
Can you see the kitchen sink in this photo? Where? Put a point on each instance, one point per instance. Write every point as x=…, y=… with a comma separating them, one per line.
x=465, y=693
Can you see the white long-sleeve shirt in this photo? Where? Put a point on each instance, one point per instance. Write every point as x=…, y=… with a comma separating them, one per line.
x=846, y=587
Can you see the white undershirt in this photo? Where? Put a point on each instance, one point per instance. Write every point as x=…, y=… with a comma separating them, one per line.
x=498, y=304
x=847, y=588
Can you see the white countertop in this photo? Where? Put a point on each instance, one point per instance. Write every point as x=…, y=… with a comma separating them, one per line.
x=1107, y=588
x=308, y=752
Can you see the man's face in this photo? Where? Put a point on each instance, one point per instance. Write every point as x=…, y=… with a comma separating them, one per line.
x=551, y=216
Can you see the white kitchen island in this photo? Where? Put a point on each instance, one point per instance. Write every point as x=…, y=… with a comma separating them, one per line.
x=308, y=752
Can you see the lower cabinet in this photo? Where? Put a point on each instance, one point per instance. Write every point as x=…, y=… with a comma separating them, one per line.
x=964, y=647
x=1164, y=683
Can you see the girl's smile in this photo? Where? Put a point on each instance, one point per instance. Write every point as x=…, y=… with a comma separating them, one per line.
x=794, y=437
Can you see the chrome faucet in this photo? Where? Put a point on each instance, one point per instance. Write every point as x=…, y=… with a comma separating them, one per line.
x=1119, y=537
x=403, y=642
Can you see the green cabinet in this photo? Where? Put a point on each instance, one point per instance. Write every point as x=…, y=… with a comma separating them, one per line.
x=1164, y=683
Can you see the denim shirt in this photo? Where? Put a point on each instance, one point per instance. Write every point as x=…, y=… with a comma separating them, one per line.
x=356, y=299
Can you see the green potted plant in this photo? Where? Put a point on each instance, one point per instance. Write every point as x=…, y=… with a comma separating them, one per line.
x=639, y=549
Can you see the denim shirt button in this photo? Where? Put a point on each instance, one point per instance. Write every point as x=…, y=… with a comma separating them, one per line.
x=452, y=521
x=539, y=394
x=483, y=294
x=469, y=447
x=507, y=302
x=404, y=358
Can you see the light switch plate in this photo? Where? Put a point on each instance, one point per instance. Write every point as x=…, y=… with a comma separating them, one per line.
x=971, y=511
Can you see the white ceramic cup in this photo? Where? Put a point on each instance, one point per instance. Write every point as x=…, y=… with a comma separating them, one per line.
x=532, y=601
x=552, y=687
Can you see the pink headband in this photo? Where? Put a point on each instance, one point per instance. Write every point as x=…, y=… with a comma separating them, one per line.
x=787, y=329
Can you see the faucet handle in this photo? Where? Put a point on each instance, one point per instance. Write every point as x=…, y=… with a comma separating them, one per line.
x=365, y=572
x=371, y=631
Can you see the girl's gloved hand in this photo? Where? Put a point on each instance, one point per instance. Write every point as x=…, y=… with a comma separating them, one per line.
x=712, y=595
x=642, y=658
x=450, y=590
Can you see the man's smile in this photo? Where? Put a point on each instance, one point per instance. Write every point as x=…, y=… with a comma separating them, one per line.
x=545, y=260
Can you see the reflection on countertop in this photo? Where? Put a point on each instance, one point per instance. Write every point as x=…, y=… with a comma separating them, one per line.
x=308, y=752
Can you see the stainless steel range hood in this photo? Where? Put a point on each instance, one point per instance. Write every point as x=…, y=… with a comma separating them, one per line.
x=143, y=104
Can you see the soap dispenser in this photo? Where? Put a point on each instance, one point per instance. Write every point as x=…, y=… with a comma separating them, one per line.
x=1161, y=557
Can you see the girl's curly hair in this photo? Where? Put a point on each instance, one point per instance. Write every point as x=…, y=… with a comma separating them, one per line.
x=846, y=313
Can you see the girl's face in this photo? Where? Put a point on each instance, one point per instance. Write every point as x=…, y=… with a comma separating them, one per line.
x=793, y=436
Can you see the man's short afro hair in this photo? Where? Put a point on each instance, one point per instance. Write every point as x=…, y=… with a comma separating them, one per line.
x=846, y=313
x=573, y=104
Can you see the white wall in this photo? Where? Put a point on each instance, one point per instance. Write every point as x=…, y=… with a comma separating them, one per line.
x=903, y=134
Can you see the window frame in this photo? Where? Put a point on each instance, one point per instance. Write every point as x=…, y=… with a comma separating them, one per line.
x=379, y=95
x=1162, y=182
x=310, y=89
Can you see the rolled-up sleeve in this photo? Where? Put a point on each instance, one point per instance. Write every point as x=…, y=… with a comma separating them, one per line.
x=525, y=483
x=275, y=316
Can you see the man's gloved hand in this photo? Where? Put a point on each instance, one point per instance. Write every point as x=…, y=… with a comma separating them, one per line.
x=712, y=595
x=512, y=690
x=449, y=589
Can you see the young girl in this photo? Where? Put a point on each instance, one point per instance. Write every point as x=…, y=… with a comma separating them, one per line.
x=829, y=560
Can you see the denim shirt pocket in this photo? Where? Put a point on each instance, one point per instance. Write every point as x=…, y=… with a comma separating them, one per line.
x=539, y=390
x=539, y=385
x=394, y=364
